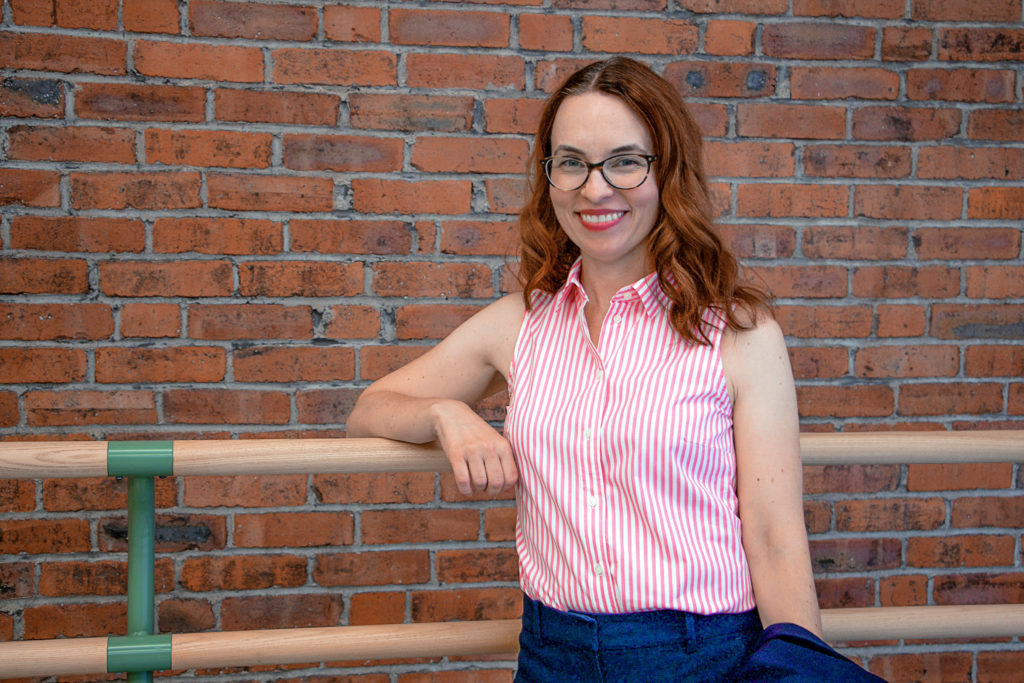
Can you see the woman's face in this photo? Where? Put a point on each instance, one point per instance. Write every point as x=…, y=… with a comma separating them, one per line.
x=610, y=226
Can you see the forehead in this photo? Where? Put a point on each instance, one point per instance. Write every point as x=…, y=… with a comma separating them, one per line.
x=597, y=123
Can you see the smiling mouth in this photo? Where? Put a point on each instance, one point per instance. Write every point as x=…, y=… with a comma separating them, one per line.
x=600, y=221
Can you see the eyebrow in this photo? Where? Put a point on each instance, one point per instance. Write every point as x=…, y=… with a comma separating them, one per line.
x=622, y=149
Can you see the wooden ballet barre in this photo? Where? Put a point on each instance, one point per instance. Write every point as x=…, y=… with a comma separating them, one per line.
x=68, y=459
x=85, y=656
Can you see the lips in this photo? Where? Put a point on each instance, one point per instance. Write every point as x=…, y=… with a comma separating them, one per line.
x=600, y=220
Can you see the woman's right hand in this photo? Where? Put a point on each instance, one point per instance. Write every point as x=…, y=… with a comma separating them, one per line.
x=481, y=458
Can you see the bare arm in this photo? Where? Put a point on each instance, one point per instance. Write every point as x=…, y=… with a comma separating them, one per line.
x=770, y=476
x=429, y=399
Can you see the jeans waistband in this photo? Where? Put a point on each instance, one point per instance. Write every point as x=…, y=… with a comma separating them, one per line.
x=635, y=629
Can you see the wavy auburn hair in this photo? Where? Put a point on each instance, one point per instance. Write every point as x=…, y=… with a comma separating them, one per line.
x=695, y=269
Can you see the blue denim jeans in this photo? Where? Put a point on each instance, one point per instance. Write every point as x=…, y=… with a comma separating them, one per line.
x=643, y=647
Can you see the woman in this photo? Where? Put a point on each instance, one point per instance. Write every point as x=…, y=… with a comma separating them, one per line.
x=652, y=429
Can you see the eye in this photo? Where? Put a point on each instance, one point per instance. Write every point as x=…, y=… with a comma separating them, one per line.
x=626, y=163
x=567, y=164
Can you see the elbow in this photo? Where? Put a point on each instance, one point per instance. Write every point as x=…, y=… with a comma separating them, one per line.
x=357, y=424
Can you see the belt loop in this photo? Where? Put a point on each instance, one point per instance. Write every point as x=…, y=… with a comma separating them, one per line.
x=531, y=615
x=691, y=631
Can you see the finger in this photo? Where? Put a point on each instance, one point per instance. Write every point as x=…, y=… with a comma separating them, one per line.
x=462, y=478
x=510, y=473
x=477, y=473
x=495, y=474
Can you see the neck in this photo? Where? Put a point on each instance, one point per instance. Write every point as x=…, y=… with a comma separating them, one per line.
x=601, y=281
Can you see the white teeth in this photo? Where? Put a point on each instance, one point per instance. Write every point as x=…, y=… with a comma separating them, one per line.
x=602, y=218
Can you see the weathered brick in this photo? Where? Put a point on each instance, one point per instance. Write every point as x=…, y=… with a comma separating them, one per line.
x=487, y=564
x=230, y=149
x=905, y=44
x=376, y=608
x=294, y=364
x=1004, y=360
x=872, y=9
x=150, y=320
x=818, y=41
x=990, y=511
x=324, y=66
x=636, y=34
x=293, y=529
x=750, y=159
x=895, y=282
x=131, y=102
x=855, y=591
x=950, y=398
x=862, y=242
x=84, y=407
x=479, y=71
x=300, y=278
x=907, y=202
x=790, y=121
x=247, y=192
x=179, y=615
x=807, y=281
x=246, y=20
x=230, y=63
x=959, y=476
x=814, y=362
x=469, y=155
x=105, y=577
x=431, y=321
x=830, y=83
x=377, y=361
x=907, y=361
x=979, y=589
x=735, y=6
x=342, y=153
x=16, y=495
x=73, y=143
x=75, y=620
x=325, y=406
x=34, y=536
x=905, y=124
x=173, y=533
x=372, y=568
x=854, y=554
x=97, y=14
x=29, y=188
x=179, y=278
x=234, y=236
x=479, y=237
x=845, y=401
x=280, y=611
x=352, y=322
x=988, y=550
x=225, y=406
x=505, y=195
x=996, y=124
x=999, y=203
x=63, y=52
x=729, y=38
x=850, y=478
x=136, y=190
x=825, y=321
x=978, y=321
x=419, y=526
x=448, y=27
x=43, y=276
x=150, y=365
x=410, y=112
x=466, y=604
x=970, y=163
x=974, y=243
x=352, y=24
x=297, y=108
x=758, y=241
x=964, y=10
x=249, y=321
x=33, y=322
x=981, y=44
x=100, y=493
x=151, y=16
x=961, y=85
x=30, y=97
x=903, y=590
x=927, y=667
x=375, y=195
x=42, y=365
x=245, y=491
x=350, y=236
x=550, y=33
x=911, y=514
x=77, y=234
x=784, y=199
x=374, y=488
x=33, y=12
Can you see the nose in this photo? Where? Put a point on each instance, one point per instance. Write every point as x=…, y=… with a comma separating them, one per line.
x=596, y=186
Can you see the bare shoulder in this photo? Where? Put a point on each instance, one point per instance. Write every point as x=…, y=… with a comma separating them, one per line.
x=492, y=332
x=755, y=354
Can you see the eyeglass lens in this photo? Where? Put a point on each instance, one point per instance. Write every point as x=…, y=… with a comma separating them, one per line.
x=624, y=171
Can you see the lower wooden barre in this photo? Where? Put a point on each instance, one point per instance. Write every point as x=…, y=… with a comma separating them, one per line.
x=77, y=656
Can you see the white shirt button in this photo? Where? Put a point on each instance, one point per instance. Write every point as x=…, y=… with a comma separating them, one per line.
x=599, y=570
x=592, y=501
x=617, y=319
x=598, y=376
x=587, y=433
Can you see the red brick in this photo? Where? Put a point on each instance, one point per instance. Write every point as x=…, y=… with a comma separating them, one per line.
x=987, y=512
x=76, y=143
x=17, y=579
x=374, y=488
x=479, y=237
x=150, y=320
x=995, y=282
x=814, y=362
x=953, y=477
x=735, y=6
x=996, y=124
x=151, y=365
x=871, y=9
x=352, y=24
x=431, y=321
x=63, y=52
x=476, y=71
x=136, y=190
x=225, y=406
x=729, y=38
x=906, y=44
x=636, y=34
x=231, y=149
x=549, y=75
x=907, y=361
x=912, y=514
x=925, y=667
x=950, y=398
x=419, y=526
x=469, y=604
x=981, y=44
x=818, y=41
x=77, y=234
x=199, y=61
x=895, y=282
x=827, y=83
x=245, y=20
x=1004, y=360
x=300, y=108
x=36, y=98
x=790, y=121
x=376, y=608
x=300, y=278
x=505, y=195
x=976, y=243
x=825, y=321
x=43, y=276
x=861, y=243
x=377, y=361
x=375, y=195
x=784, y=199
x=1000, y=666
x=961, y=551
x=999, y=203
x=151, y=16
x=280, y=611
x=758, y=241
x=468, y=566
x=85, y=407
x=346, y=67
x=29, y=188
x=234, y=236
x=848, y=592
x=294, y=364
x=470, y=155
x=131, y=102
x=180, y=278
x=977, y=321
x=96, y=14
x=964, y=11
x=99, y=493
x=16, y=495
x=905, y=124
x=547, y=32
x=961, y=85
x=249, y=321
x=463, y=676
x=35, y=536
x=855, y=554
x=75, y=620
x=452, y=28
x=293, y=529
x=174, y=533
x=185, y=616
x=903, y=590
x=850, y=478
x=500, y=523
x=96, y=578
x=970, y=163
x=750, y=159
x=857, y=161
x=845, y=401
x=55, y=321
x=907, y=202
x=33, y=12
x=350, y=237
x=410, y=112
x=42, y=365
x=9, y=415
x=352, y=322
x=978, y=589
x=247, y=192
x=325, y=406
x=342, y=153
x=245, y=491
x=800, y=281
x=373, y=568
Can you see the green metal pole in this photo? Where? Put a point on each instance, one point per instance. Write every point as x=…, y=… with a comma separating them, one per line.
x=141, y=558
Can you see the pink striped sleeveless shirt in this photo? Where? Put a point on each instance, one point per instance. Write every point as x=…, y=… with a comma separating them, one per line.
x=627, y=497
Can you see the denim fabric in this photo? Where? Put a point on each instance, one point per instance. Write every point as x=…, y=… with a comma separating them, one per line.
x=645, y=647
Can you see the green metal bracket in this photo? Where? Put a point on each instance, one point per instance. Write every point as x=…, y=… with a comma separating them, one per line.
x=140, y=458
x=135, y=654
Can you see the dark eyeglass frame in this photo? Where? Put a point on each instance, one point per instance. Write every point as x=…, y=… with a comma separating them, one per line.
x=649, y=158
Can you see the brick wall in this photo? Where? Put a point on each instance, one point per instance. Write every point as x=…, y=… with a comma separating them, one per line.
x=221, y=220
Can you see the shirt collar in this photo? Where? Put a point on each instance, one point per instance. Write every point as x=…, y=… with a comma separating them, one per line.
x=647, y=290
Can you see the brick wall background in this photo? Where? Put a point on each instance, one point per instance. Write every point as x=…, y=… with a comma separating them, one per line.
x=221, y=220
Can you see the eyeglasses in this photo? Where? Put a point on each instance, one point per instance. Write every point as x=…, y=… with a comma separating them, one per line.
x=622, y=171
